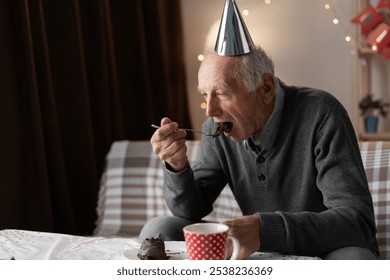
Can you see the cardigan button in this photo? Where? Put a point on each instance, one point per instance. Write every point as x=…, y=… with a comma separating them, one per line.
x=261, y=177
x=261, y=159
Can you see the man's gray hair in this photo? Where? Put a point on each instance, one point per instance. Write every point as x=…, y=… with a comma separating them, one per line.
x=251, y=67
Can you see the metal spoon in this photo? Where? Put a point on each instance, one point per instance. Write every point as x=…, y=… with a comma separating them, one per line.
x=187, y=129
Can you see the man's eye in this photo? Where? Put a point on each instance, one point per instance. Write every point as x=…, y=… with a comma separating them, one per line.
x=223, y=95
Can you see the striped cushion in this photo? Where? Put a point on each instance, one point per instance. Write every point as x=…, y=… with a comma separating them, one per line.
x=130, y=192
x=376, y=160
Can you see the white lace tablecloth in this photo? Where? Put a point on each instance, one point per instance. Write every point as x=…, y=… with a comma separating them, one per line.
x=32, y=245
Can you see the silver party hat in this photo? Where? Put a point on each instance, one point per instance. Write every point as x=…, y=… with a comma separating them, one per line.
x=233, y=36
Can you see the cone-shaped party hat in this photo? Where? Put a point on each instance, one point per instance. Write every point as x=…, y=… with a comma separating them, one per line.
x=233, y=36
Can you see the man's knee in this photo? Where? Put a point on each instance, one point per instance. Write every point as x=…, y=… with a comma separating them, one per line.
x=350, y=253
x=169, y=227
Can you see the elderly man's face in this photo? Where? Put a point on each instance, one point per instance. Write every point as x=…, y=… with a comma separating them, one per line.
x=228, y=100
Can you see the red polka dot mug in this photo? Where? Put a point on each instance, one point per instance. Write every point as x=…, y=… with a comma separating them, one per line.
x=207, y=241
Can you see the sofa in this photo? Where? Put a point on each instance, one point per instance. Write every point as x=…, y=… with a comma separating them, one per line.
x=131, y=193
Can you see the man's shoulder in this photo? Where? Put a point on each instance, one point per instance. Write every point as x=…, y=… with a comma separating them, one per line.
x=311, y=96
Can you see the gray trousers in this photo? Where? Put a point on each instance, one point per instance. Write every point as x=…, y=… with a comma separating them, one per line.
x=171, y=229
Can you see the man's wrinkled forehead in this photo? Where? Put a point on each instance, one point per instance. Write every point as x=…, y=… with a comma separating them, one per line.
x=215, y=75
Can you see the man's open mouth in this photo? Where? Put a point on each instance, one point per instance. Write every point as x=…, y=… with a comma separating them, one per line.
x=223, y=127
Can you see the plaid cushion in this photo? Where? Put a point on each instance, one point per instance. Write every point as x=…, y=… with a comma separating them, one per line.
x=131, y=193
x=376, y=160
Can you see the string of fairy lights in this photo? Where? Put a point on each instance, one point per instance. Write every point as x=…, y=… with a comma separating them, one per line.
x=334, y=18
x=328, y=6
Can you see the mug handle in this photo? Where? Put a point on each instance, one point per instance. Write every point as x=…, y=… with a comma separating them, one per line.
x=236, y=247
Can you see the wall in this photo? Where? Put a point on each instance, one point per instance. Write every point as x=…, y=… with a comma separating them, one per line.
x=307, y=48
x=380, y=86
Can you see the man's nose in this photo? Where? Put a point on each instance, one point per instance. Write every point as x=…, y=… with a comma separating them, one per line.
x=213, y=108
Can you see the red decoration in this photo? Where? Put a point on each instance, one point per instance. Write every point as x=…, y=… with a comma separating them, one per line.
x=379, y=39
x=368, y=19
x=375, y=26
x=384, y=4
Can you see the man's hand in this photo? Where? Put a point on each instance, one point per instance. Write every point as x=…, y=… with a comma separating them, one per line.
x=168, y=143
x=247, y=230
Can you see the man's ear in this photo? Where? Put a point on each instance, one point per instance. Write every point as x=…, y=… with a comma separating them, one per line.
x=268, y=92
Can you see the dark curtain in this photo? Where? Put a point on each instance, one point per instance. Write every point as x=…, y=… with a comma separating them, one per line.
x=75, y=76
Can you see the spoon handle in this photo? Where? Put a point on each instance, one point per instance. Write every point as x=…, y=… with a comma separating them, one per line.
x=186, y=129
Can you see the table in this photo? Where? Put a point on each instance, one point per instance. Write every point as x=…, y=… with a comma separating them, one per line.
x=32, y=245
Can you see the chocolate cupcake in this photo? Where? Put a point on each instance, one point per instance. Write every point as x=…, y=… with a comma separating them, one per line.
x=152, y=249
